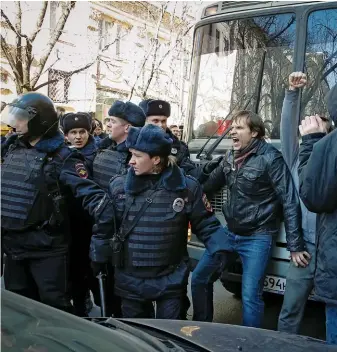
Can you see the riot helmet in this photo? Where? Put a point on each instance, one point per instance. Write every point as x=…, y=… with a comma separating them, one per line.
x=32, y=114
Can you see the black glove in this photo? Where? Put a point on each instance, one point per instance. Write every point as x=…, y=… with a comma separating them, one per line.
x=98, y=268
x=212, y=165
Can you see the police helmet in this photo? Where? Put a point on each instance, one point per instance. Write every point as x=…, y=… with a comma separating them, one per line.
x=35, y=108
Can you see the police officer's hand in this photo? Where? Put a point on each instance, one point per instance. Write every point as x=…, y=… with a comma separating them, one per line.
x=98, y=268
x=300, y=258
x=212, y=165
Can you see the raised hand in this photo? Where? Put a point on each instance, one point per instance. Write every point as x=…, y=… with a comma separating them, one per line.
x=297, y=80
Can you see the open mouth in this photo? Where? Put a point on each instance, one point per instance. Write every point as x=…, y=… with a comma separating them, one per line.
x=235, y=140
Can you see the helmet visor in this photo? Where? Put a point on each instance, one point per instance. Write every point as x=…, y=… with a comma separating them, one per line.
x=12, y=115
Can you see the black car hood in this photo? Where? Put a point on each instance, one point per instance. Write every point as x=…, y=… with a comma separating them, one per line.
x=229, y=338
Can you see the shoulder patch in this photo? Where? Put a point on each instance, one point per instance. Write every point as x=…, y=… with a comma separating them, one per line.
x=81, y=170
x=207, y=203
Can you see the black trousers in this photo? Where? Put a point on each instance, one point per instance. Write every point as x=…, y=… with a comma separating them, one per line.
x=42, y=279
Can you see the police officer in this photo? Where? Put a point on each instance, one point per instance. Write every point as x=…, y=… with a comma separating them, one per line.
x=112, y=159
x=155, y=201
x=76, y=128
x=157, y=112
x=37, y=172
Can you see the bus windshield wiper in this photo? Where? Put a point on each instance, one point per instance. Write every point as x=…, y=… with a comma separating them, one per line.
x=256, y=94
x=209, y=152
x=222, y=122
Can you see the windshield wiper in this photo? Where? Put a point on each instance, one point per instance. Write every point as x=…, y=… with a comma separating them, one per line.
x=260, y=80
x=222, y=122
x=256, y=95
x=208, y=154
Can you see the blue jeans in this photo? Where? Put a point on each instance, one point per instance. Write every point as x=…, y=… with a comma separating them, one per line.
x=255, y=251
x=331, y=324
x=300, y=282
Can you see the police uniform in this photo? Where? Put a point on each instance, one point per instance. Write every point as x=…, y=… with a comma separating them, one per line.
x=153, y=264
x=80, y=273
x=113, y=159
x=34, y=184
x=179, y=149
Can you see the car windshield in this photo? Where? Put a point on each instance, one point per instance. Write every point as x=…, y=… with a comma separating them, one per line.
x=30, y=326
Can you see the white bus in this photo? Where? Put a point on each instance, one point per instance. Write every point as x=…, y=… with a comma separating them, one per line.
x=242, y=56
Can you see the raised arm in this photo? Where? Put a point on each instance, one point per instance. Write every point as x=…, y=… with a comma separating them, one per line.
x=289, y=119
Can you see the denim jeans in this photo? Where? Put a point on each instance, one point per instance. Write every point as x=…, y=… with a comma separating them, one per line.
x=300, y=282
x=331, y=324
x=254, y=251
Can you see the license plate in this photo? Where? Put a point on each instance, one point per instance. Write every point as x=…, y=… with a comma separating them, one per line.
x=274, y=284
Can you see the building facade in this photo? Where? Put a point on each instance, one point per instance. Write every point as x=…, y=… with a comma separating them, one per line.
x=107, y=51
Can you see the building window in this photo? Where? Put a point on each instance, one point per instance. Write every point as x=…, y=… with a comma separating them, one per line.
x=107, y=35
x=58, y=91
x=55, y=12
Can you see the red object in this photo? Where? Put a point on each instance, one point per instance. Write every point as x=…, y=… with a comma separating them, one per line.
x=224, y=126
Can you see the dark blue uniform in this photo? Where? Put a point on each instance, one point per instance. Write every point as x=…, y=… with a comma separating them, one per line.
x=35, y=228
x=111, y=159
x=81, y=277
x=155, y=266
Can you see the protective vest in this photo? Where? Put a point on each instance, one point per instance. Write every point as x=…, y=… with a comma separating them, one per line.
x=24, y=197
x=160, y=236
x=109, y=163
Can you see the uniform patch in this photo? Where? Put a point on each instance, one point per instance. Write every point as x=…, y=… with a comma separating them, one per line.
x=178, y=205
x=207, y=203
x=174, y=151
x=81, y=170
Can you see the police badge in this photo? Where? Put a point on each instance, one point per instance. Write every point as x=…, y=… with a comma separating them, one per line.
x=178, y=205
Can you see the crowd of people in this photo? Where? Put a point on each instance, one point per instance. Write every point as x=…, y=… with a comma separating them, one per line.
x=78, y=201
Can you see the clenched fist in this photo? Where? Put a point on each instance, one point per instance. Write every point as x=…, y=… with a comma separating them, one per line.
x=297, y=80
x=312, y=124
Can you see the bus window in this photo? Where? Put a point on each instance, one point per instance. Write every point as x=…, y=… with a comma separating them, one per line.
x=241, y=63
x=320, y=61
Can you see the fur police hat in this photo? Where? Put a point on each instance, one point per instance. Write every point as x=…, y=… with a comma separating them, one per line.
x=150, y=139
x=332, y=103
x=76, y=120
x=128, y=111
x=156, y=107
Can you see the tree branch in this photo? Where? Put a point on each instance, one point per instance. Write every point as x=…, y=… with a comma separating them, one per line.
x=5, y=48
x=18, y=26
x=69, y=74
x=11, y=25
x=157, y=45
x=39, y=22
x=56, y=35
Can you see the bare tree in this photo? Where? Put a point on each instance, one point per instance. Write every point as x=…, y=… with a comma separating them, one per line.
x=27, y=69
x=154, y=57
x=20, y=57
